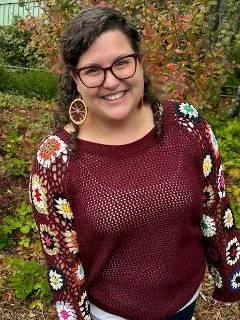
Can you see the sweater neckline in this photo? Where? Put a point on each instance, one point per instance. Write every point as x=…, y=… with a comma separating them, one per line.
x=134, y=147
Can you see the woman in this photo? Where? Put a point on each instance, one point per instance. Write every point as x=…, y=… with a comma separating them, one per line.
x=128, y=194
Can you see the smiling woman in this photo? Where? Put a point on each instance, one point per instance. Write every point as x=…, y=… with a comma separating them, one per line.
x=111, y=84
x=128, y=188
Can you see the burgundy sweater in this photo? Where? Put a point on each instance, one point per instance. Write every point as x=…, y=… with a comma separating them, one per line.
x=131, y=227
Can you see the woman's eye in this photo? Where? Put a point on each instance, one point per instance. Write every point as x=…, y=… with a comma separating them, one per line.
x=122, y=63
x=92, y=71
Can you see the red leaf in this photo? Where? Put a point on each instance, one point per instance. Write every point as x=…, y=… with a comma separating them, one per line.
x=179, y=51
x=149, y=32
x=171, y=66
x=167, y=22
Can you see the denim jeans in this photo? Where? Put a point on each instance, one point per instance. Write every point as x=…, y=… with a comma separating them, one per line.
x=185, y=314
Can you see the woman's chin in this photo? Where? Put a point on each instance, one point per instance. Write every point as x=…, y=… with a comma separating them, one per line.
x=117, y=114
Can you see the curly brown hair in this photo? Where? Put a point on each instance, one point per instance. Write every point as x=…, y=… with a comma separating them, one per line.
x=78, y=36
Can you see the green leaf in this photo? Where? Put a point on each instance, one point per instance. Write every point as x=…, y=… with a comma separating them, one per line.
x=5, y=240
x=25, y=229
x=29, y=278
x=24, y=242
x=36, y=304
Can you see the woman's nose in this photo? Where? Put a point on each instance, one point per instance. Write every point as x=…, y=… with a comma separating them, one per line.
x=110, y=80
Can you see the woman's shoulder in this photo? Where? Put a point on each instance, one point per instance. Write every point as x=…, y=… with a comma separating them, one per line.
x=190, y=120
x=185, y=114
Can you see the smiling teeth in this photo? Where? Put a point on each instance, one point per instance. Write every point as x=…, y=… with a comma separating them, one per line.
x=115, y=96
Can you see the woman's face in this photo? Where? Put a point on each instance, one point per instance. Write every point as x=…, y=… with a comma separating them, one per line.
x=115, y=99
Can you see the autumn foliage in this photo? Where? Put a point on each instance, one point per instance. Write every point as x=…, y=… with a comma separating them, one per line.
x=187, y=47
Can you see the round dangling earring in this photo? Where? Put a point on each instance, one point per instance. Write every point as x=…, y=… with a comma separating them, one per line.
x=78, y=111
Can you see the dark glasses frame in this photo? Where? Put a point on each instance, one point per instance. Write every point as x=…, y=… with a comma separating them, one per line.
x=110, y=68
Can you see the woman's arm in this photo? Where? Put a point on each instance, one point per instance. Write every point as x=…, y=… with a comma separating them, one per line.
x=55, y=223
x=221, y=239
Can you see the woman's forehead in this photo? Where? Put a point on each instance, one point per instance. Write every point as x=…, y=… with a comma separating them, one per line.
x=105, y=49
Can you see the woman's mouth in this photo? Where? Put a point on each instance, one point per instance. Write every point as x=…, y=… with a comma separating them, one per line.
x=116, y=96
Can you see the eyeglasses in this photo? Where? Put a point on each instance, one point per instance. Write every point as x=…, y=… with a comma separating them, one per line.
x=94, y=76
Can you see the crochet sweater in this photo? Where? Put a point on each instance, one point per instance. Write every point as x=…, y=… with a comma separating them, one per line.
x=131, y=227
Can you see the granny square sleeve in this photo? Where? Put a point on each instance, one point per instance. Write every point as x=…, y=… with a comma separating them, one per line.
x=55, y=223
x=220, y=236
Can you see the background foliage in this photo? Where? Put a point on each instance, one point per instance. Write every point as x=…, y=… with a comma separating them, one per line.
x=190, y=47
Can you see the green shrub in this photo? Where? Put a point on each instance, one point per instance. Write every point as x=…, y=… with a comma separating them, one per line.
x=15, y=49
x=29, y=278
x=21, y=222
x=4, y=79
x=228, y=131
x=16, y=167
x=29, y=83
x=233, y=79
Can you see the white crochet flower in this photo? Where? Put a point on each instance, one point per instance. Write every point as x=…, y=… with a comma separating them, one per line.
x=233, y=251
x=65, y=311
x=208, y=226
x=38, y=192
x=228, y=218
x=63, y=208
x=208, y=196
x=235, y=280
x=55, y=279
x=188, y=110
x=207, y=165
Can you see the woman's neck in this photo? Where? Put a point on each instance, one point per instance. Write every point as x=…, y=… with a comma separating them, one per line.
x=118, y=132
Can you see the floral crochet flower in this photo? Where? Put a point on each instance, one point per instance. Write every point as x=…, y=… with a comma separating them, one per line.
x=213, y=141
x=51, y=149
x=84, y=307
x=221, y=183
x=233, y=251
x=65, y=311
x=207, y=165
x=71, y=240
x=208, y=226
x=216, y=277
x=228, y=219
x=38, y=192
x=62, y=207
x=189, y=111
x=56, y=279
x=49, y=241
x=208, y=196
x=234, y=280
